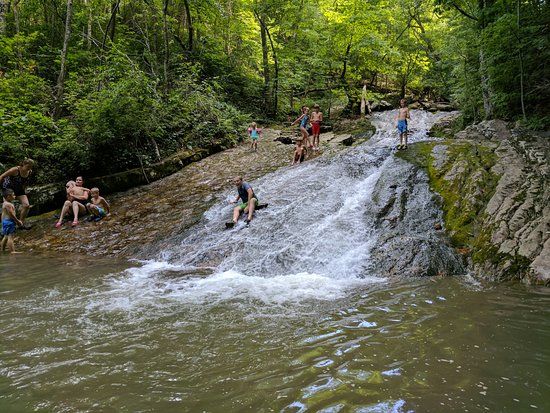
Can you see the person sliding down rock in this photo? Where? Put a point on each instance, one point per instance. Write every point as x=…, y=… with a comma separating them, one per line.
x=249, y=201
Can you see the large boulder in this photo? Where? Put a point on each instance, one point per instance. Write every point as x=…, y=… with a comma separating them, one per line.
x=494, y=183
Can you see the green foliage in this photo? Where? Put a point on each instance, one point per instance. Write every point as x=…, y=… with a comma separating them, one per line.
x=142, y=83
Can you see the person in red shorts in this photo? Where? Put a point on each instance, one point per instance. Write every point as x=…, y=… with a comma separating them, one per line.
x=316, y=119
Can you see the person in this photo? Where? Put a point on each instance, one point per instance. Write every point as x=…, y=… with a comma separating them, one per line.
x=98, y=207
x=77, y=198
x=401, y=124
x=17, y=179
x=9, y=219
x=303, y=119
x=316, y=119
x=300, y=152
x=254, y=133
x=248, y=198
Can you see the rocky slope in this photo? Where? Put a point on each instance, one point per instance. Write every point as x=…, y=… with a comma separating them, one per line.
x=495, y=187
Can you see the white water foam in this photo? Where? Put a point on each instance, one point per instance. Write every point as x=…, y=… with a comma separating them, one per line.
x=144, y=285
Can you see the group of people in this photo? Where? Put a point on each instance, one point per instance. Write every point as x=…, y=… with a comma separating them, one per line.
x=305, y=121
x=303, y=144
x=14, y=182
x=80, y=201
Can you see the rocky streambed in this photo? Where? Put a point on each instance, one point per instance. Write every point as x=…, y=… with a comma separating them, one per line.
x=493, y=181
x=144, y=216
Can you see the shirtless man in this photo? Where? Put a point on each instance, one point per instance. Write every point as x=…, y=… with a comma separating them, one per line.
x=316, y=119
x=401, y=123
x=77, y=198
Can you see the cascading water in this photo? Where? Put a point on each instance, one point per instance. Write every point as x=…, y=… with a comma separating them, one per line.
x=308, y=310
x=357, y=216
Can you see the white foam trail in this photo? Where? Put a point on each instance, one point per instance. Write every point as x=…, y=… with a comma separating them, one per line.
x=145, y=285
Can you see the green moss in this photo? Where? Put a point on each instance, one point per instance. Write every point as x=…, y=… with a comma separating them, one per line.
x=463, y=198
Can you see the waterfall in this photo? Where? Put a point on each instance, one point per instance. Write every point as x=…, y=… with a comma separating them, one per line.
x=359, y=215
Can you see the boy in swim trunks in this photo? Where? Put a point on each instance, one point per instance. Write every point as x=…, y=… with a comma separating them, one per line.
x=248, y=198
x=99, y=207
x=316, y=119
x=401, y=124
x=254, y=133
x=9, y=220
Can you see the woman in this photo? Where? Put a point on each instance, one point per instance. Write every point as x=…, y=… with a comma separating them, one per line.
x=17, y=178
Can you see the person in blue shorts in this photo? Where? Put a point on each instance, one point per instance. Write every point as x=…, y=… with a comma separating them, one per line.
x=401, y=123
x=9, y=219
x=98, y=207
x=248, y=198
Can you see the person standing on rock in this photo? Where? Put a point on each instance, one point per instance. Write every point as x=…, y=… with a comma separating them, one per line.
x=254, y=133
x=248, y=198
x=17, y=179
x=316, y=119
x=8, y=221
x=401, y=124
x=304, y=120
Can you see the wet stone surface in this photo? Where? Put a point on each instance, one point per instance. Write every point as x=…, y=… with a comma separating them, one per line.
x=145, y=215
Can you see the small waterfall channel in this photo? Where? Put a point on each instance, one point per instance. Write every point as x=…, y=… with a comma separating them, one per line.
x=319, y=306
x=356, y=216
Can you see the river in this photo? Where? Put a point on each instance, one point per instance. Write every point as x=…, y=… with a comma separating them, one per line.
x=319, y=306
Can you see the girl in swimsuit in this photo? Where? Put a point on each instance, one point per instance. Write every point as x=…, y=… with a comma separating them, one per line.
x=304, y=119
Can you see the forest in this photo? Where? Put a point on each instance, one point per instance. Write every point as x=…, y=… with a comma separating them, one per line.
x=95, y=87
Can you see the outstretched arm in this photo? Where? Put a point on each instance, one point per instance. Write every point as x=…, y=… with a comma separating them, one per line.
x=300, y=118
x=9, y=172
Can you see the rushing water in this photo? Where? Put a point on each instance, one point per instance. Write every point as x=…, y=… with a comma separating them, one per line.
x=314, y=308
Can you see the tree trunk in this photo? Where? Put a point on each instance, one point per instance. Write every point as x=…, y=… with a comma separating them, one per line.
x=16, y=17
x=486, y=90
x=63, y=70
x=520, y=62
x=265, y=63
x=88, y=34
x=113, y=19
x=166, y=49
x=189, y=24
x=4, y=5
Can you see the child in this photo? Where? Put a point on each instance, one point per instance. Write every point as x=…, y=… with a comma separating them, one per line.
x=254, y=133
x=401, y=123
x=99, y=207
x=8, y=220
x=300, y=152
x=316, y=119
x=303, y=119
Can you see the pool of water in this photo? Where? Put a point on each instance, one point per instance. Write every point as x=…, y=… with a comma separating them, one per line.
x=104, y=336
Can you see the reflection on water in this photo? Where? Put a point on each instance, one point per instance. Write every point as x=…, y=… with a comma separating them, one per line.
x=152, y=341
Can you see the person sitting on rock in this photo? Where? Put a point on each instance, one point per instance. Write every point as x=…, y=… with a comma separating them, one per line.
x=99, y=207
x=77, y=198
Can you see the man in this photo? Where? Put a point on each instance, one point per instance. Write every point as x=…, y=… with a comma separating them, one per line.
x=249, y=202
x=77, y=198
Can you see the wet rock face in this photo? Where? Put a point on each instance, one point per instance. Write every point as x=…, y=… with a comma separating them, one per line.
x=503, y=177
